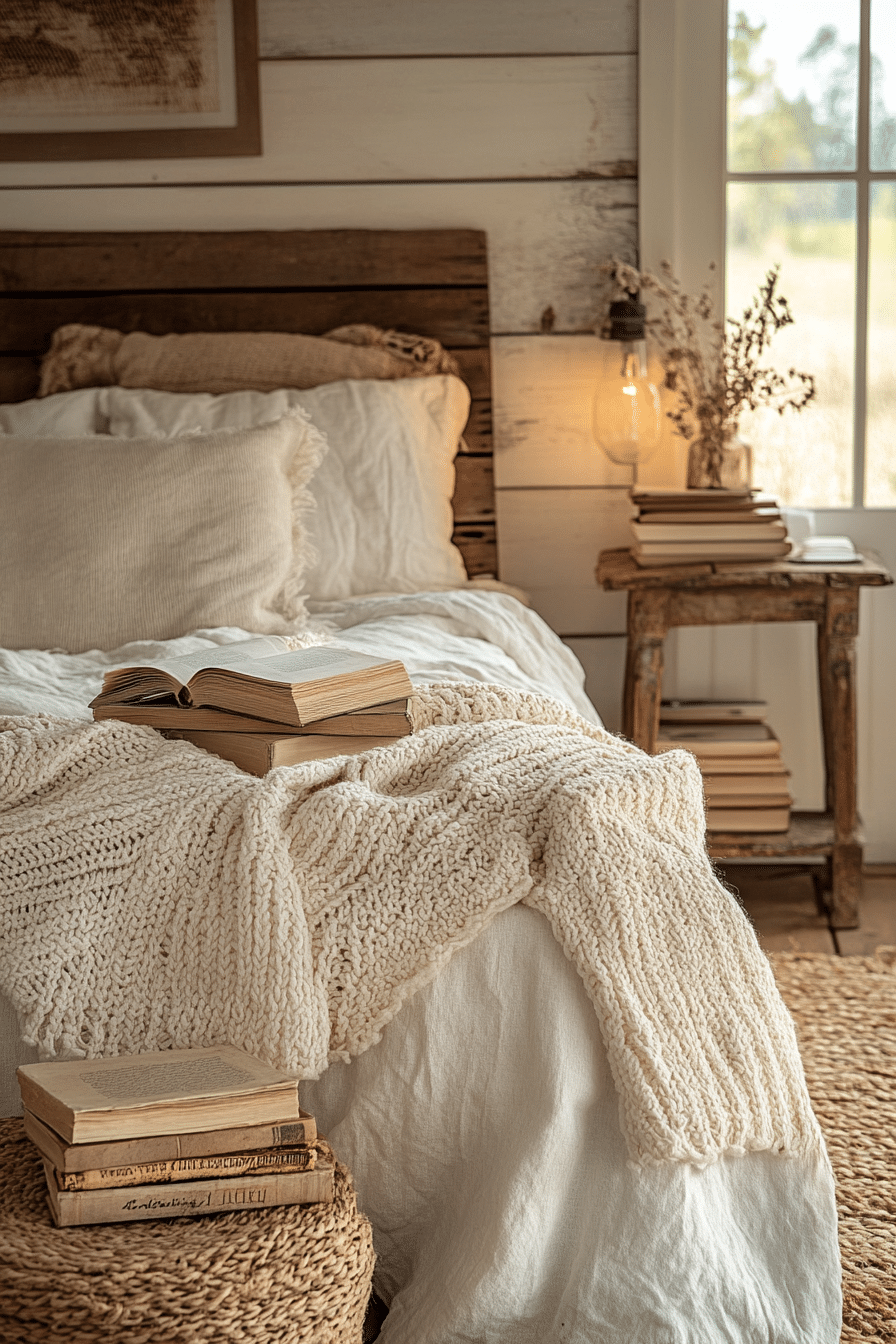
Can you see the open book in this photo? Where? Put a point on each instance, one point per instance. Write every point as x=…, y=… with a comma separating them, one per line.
x=261, y=678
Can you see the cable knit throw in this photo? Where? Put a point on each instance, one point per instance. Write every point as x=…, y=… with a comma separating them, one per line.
x=155, y=896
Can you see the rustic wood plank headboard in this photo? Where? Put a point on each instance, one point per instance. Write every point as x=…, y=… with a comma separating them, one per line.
x=430, y=281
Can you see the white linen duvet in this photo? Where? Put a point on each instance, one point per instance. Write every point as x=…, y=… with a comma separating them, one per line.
x=483, y=1129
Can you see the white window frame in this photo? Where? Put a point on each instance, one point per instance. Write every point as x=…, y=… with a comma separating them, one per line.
x=682, y=176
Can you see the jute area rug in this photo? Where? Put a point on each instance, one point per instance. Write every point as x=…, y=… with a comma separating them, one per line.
x=845, y=1012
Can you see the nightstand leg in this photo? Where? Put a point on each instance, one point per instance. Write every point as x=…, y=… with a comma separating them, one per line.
x=837, y=686
x=647, y=628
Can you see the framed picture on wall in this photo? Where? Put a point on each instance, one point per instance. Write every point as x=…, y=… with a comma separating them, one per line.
x=128, y=79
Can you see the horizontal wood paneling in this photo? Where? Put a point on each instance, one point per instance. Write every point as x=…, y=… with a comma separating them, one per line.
x=453, y=316
x=548, y=544
x=19, y=377
x=387, y=120
x=476, y=543
x=304, y=259
x=544, y=387
x=431, y=27
x=474, y=493
x=477, y=437
x=545, y=238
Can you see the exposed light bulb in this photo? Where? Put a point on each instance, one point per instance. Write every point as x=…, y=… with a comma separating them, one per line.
x=626, y=416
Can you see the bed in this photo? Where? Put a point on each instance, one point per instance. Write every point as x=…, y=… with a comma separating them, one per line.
x=483, y=1126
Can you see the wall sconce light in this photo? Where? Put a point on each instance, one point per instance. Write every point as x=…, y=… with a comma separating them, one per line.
x=626, y=417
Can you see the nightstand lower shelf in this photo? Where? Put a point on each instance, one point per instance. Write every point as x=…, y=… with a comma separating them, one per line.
x=810, y=834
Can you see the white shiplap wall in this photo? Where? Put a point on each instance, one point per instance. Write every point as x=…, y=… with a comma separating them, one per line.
x=517, y=117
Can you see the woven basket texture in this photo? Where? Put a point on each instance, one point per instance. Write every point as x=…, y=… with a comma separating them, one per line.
x=294, y=1275
x=845, y=1013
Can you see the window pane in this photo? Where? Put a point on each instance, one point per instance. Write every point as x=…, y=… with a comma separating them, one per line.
x=880, y=449
x=883, y=85
x=809, y=227
x=792, y=85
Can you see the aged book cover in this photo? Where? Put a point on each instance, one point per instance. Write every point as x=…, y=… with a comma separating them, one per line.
x=265, y=679
x=260, y=752
x=746, y=790
x=707, y=513
x=688, y=533
x=164, y=1092
x=389, y=720
x=708, y=740
x=680, y=552
x=670, y=496
x=69, y=1157
x=713, y=711
x=260, y=1163
x=748, y=820
x=233, y=1194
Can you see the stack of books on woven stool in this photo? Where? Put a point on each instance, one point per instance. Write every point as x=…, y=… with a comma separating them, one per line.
x=681, y=527
x=262, y=704
x=744, y=776
x=171, y=1134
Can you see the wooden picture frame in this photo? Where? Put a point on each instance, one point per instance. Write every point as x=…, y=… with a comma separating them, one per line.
x=227, y=30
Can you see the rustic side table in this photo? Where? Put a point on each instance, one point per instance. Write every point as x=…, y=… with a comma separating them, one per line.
x=731, y=594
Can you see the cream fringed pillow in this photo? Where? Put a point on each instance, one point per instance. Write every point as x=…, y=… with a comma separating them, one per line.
x=106, y=540
x=202, y=361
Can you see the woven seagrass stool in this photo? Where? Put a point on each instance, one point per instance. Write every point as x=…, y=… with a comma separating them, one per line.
x=294, y=1275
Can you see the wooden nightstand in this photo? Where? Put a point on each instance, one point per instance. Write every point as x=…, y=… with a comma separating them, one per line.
x=732, y=594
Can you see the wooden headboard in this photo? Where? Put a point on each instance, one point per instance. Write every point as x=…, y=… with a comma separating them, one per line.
x=430, y=281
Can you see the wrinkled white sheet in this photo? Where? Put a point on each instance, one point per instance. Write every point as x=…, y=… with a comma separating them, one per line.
x=483, y=1130
x=462, y=635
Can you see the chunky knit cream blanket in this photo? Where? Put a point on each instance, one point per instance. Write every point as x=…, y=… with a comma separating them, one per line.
x=153, y=895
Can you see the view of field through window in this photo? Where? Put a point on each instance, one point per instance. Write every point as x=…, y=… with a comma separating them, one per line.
x=792, y=108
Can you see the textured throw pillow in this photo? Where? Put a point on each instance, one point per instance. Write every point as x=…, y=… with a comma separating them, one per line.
x=82, y=356
x=383, y=518
x=105, y=540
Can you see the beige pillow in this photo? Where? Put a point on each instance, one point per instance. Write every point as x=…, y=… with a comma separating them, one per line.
x=82, y=356
x=106, y=540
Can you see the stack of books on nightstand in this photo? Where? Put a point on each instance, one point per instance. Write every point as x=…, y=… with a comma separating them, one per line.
x=171, y=1134
x=744, y=776
x=679, y=527
x=261, y=704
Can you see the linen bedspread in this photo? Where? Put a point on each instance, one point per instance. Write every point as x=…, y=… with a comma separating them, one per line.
x=157, y=896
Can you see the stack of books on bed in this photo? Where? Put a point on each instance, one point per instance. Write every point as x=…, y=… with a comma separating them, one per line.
x=261, y=704
x=744, y=775
x=171, y=1134
x=680, y=527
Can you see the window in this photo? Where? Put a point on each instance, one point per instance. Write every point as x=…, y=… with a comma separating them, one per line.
x=802, y=172
x=811, y=154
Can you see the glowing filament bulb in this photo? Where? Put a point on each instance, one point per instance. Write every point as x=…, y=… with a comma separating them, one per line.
x=626, y=418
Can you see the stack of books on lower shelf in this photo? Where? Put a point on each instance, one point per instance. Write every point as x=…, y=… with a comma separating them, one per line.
x=261, y=704
x=680, y=527
x=171, y=1134
x=744, y=775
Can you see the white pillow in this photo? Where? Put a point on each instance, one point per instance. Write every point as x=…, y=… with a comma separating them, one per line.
x=65, y=415
x=106, y=540
x=383, y=518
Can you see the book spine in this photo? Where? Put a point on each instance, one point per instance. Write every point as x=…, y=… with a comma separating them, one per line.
x=141, y=1203
x=190, y=1169
x=166, y=1147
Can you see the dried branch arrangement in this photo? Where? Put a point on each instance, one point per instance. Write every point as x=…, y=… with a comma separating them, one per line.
x=714, y=369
